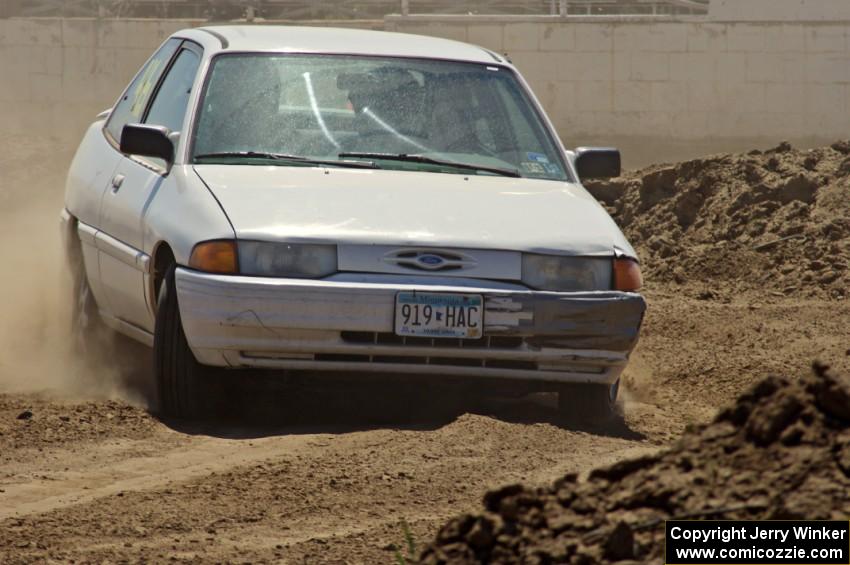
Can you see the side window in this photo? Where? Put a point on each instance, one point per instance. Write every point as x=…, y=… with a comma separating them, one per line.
x=170, y=104
x=132, y=105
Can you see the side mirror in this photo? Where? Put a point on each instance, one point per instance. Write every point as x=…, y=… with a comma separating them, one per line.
x=597, y=162
x=147, y=141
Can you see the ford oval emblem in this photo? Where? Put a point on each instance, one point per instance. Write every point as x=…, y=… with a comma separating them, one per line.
x=430, y=260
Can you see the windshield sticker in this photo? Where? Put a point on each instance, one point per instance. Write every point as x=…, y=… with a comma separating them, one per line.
x=552, y=168
x=537, y=157
x=532, y=168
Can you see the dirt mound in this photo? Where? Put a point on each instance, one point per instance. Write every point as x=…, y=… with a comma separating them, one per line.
x=782, y=451
x=39, y=421
x=778, y=219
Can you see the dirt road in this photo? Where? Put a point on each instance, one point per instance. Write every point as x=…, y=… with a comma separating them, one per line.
x=324, y=474
x=260, y=494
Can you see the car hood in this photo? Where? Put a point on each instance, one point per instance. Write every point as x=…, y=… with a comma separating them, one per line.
x=365, y=206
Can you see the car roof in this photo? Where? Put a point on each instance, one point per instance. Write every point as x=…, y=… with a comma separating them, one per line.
x=294, y=39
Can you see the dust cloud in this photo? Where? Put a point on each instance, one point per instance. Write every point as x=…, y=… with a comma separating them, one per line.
x=36, y=350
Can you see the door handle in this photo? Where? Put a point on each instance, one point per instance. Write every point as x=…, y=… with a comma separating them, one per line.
x=117, y=181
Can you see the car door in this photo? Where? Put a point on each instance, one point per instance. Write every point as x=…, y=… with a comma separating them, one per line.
x=96, y=166
x=123, y=262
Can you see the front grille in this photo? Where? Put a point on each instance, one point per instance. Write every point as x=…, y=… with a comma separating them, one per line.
x=490, y=352
x=387, y=338
x=421, y=360
x=426, y=343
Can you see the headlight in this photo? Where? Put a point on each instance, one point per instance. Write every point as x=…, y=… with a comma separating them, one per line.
x=553, y=272
x=267, y=259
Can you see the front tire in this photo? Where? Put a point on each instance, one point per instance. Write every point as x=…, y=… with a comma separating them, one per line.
x=589, y=403
x=179, y=376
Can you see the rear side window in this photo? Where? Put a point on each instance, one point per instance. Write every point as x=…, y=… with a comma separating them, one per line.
x=132, y=105
x=169, y=106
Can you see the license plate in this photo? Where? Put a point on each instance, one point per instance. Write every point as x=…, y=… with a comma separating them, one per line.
x=439, y=315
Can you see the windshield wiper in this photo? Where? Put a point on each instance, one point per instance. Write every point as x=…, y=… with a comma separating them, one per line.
x=287, y=157
x=415, y=158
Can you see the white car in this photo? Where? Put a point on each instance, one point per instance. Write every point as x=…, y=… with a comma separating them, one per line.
x=341, y=200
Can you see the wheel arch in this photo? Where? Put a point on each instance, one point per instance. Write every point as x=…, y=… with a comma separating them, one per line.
x=162, y=258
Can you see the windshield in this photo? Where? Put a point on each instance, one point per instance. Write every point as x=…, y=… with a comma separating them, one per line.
x=346, y=107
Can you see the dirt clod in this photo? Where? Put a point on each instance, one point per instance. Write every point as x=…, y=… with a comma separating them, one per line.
x=732, y=468
x=620, y=543
x=769, y=420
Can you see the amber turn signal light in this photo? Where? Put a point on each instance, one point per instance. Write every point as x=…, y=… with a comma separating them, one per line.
x=627, y=275
x=215, y=257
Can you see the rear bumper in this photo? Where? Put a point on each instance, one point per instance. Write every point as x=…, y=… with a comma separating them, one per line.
x=326, y=325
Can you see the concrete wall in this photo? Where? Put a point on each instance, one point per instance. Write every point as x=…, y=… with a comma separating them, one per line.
x=629, y=81
x=689, y=81
x=56, y=75
x=779, y=10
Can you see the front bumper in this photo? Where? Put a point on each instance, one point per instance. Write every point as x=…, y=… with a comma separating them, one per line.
x=236, y=321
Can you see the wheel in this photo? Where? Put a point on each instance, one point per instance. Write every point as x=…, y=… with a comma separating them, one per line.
x=179, y=376
x=589, y=403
